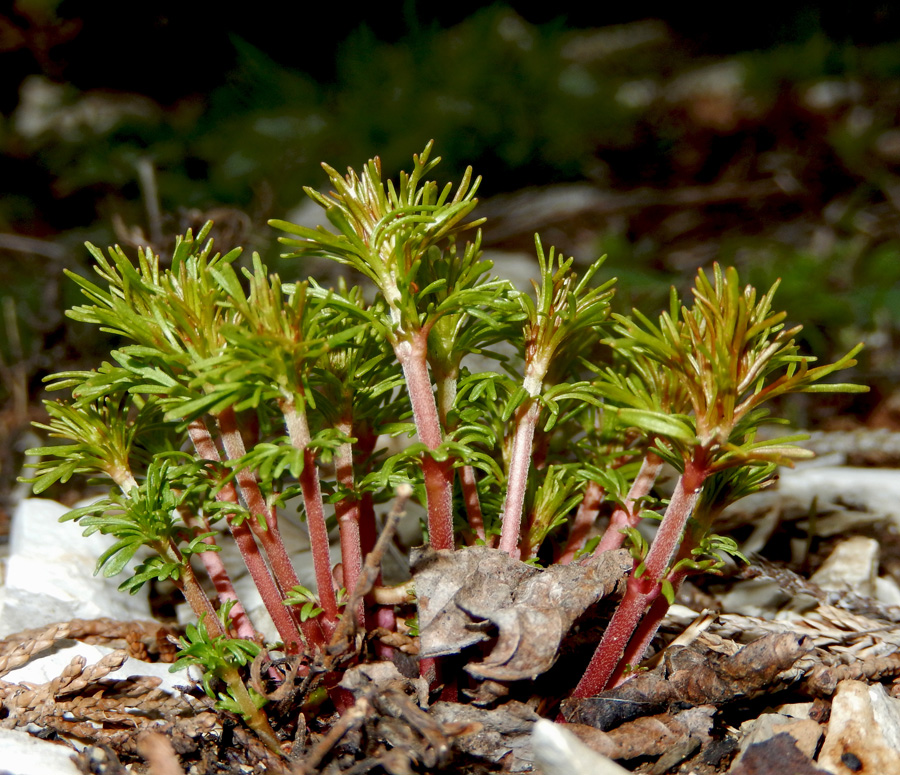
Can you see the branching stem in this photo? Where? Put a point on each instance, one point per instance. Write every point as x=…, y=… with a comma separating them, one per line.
x=607, y=662
x=270, y=537
x=218, y=575
x=347, y=511
x=643, y=634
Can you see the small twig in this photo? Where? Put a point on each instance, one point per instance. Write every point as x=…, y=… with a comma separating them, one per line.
x=287, y=684
x=351, y=719
x=16, y=373
x=399, y=595
x=39, y=247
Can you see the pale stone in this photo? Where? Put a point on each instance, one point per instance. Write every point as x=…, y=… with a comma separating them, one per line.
x=23, y=754
x=558, y=752
x=864, y=725
x=851, y=567
x=887, y=591
x=50, y=573
x=844, y=495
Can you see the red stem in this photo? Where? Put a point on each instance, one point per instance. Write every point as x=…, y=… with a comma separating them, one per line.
x=621, y=628
x=438, y=475
x=218, y=575
x=642, y=592
x=681, y=506
x=347, y=511
x=643, y=635
x=365, y=446
x=583, y=522
x=270, y=537
x=368, y=531
x=298, y=431
x=625, y=515
x=446, y=395
x=199, y=601
x=256, y=565
x=520, y=460
x=438, y=491
x=473, y=503
x=383, y=615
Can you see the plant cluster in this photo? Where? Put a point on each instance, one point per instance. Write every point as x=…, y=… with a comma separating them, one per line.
x=234, y=393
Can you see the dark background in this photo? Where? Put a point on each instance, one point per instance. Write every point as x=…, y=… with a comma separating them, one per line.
x=665, y=136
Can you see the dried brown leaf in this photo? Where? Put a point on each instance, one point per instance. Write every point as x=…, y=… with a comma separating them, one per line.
x=460, y=594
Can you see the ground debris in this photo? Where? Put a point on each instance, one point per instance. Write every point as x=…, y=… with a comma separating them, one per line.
x=83, y=695
x=652, y=736
x=824, y=679
x=461, y=594
x=692, y=676
x=111, y=716
x=138, y=638
x=388, y=726
x=500, y=736
x=776, y=756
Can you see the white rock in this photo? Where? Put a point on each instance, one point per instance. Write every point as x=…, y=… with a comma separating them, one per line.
x=851, y=567
x=49, y=577
x=50, y=573
x=754, y=597
x=864, y=725
x=869, y=493
x=22, y=754
x=558, y=752
x=887, y=591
